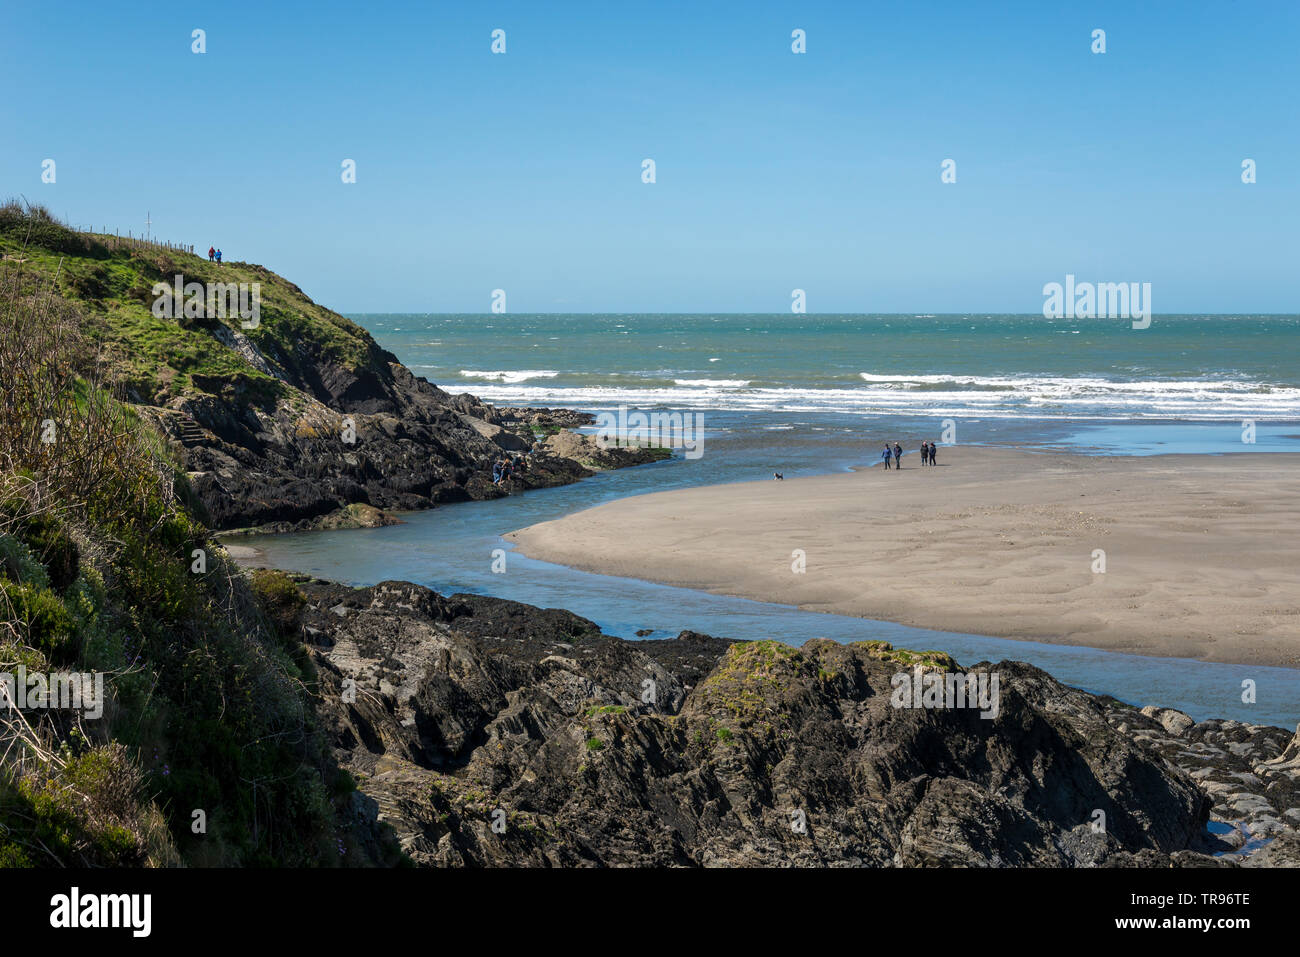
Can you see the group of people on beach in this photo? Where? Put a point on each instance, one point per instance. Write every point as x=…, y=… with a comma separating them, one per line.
x=214, y=255
x=894, y=454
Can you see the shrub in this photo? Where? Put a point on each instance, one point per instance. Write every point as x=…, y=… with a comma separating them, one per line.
x=279, y=599
x=44, y=620
x=82, y=814
x=54, y=548
x=17, y=563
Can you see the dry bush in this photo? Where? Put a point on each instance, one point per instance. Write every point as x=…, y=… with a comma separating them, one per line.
x=67, y=447
x=64, y=440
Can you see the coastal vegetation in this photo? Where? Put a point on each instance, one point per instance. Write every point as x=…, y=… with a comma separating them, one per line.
x=111, y=284
x=207, y=750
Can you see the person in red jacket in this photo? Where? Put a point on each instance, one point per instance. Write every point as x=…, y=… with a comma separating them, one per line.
x=212, y=252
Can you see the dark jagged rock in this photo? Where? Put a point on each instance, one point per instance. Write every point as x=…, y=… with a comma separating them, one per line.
x=1251, y=773
x=389, y=441
x=690, y=656
x=492, y=733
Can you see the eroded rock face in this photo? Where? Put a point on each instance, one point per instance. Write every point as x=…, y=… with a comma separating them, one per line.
x=1174, y=722
x=284, y=427
x=387, y=440
x=472, y=712
x=1251, y=774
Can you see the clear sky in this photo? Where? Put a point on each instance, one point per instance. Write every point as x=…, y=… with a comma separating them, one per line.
x=774, y=170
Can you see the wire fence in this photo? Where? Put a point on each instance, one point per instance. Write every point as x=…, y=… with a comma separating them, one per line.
x=116, y=240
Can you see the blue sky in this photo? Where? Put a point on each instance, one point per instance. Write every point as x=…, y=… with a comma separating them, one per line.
x=775, y=171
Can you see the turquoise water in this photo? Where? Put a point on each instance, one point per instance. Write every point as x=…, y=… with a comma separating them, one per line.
x=1009, y=367
x=452, y=548
x=814, y=394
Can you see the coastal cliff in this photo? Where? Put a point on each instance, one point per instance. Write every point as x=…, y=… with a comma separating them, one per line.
x=259, y=719
x=291, y=417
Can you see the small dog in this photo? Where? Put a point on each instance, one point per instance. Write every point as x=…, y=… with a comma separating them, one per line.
x=778, y=476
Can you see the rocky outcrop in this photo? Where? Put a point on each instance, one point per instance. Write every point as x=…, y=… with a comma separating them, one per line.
x=586, y=450
x=1251, y=774
x=492, y=733
x=283, y=412
x=388, y=440
x=286, y=421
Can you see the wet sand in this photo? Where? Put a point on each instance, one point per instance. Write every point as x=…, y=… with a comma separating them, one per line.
x=246, y=556
x=1202, y=555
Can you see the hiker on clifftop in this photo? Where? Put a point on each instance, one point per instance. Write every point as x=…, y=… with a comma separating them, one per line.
x=212, y=253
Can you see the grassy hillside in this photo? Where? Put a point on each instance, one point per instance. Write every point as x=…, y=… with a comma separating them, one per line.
x=298, y=421
x=155, y=358
x=208, y=750
x=125, y=437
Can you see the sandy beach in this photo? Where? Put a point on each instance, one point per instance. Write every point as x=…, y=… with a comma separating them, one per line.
x=246, y=556
x=1201, y=557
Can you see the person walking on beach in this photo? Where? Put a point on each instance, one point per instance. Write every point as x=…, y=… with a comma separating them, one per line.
x=898, y=456
x=932, y=462
x=925, y=453
x=886, y=455
x=212, y=253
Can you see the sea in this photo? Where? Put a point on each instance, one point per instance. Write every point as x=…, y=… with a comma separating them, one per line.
x=807, y=394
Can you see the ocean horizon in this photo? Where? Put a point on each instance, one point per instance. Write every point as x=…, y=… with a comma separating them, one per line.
x=809, y=395
x=990, y=366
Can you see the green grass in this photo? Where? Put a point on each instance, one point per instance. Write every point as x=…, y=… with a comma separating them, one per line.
x=212, y=694
x=158, y=357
